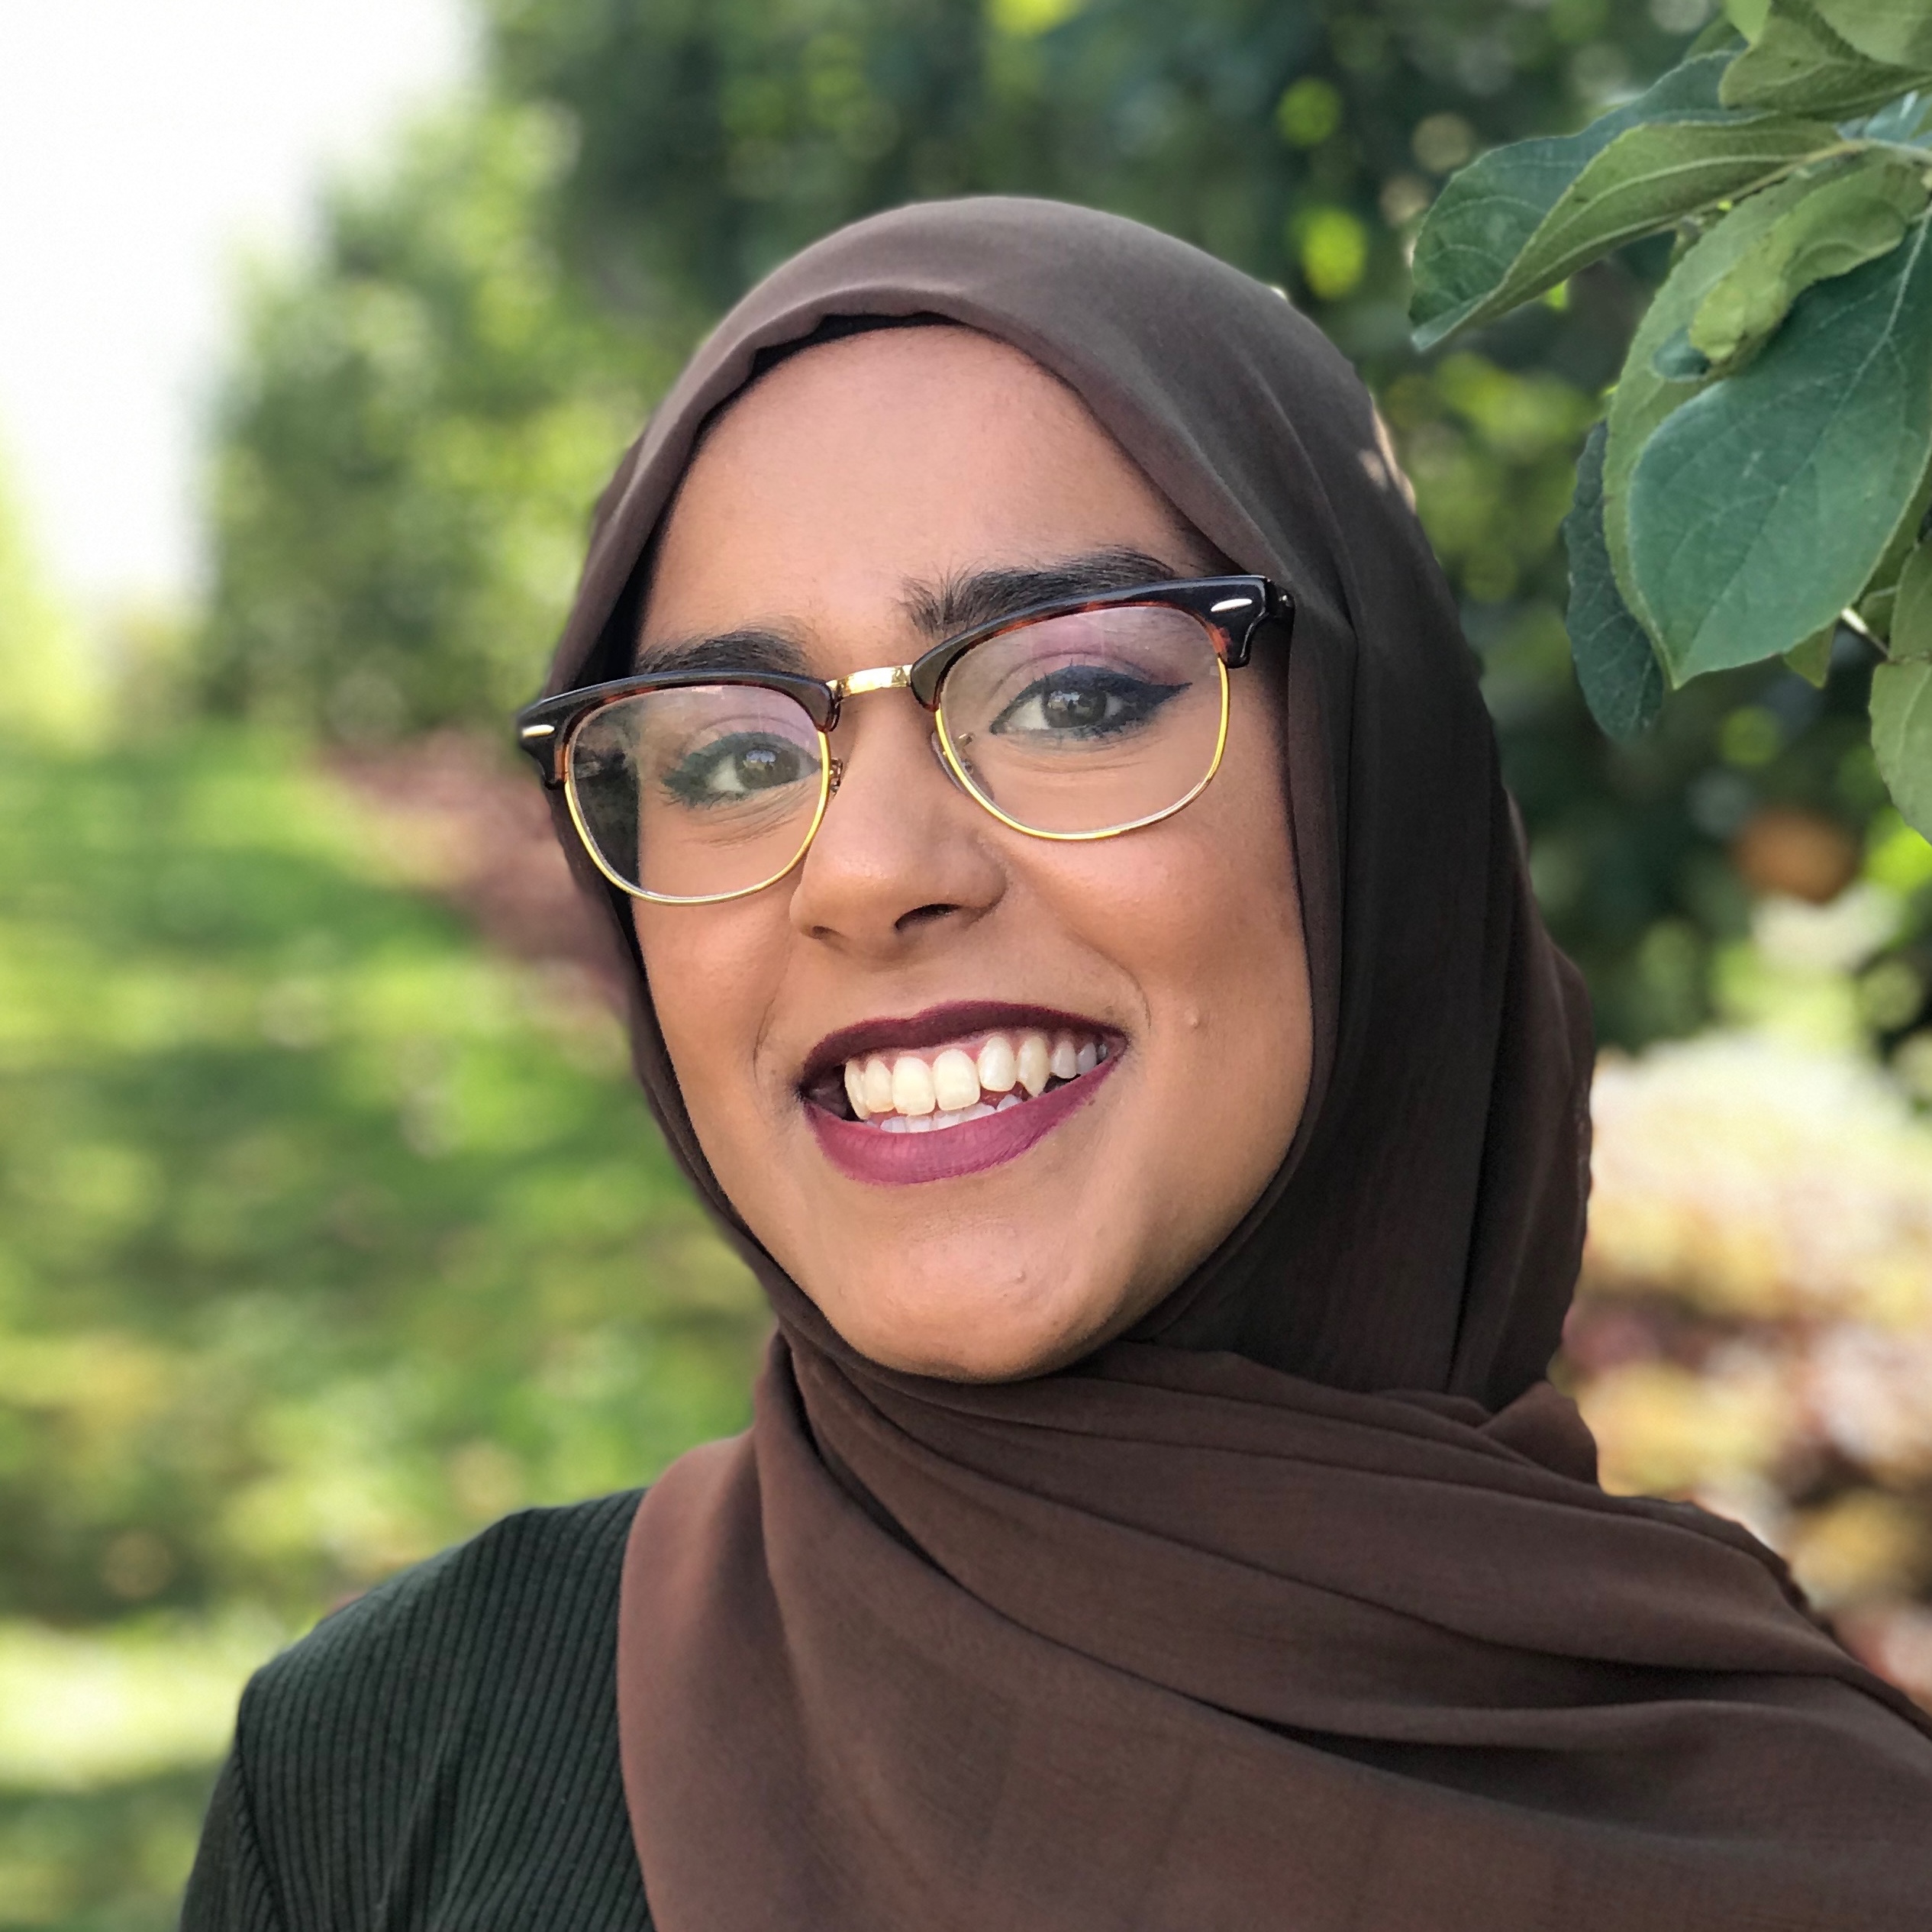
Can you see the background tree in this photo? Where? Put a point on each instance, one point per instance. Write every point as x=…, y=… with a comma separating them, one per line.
x=413, y=437
x=1766, y=461
x=405, y=451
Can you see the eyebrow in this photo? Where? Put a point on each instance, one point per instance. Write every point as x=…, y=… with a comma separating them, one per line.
x=966, y=600
x=962, y=601
x=750, y=649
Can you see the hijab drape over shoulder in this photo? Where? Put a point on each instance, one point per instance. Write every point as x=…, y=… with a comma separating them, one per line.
x=1300, y=1606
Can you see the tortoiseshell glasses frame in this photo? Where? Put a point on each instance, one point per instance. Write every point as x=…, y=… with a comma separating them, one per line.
x=1230, y=610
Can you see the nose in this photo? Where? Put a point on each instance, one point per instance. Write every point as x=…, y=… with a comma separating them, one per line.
x=902, y=853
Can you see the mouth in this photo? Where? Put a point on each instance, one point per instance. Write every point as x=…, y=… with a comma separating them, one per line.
x=951, y=1091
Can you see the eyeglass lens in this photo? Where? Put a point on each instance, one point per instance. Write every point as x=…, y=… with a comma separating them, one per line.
x=1088, y=722
x=697, y=791
x=1071, y=726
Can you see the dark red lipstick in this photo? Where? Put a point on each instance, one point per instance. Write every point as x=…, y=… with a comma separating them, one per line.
x=935, y=1026
x=863, y=1153
x=865, y=1150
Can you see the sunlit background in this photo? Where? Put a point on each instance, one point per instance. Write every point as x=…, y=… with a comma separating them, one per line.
x=331, y=1227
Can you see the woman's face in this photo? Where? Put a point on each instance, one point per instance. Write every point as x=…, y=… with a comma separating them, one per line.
x=844, y=507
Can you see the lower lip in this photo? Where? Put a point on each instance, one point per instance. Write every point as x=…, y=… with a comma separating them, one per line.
x=868, y=1153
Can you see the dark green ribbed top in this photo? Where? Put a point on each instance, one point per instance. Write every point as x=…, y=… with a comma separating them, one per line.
x=441, y=1753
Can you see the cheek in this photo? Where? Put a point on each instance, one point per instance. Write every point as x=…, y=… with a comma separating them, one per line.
x=1210, y=931
x=713, y=972
x=1203, y=915
x=1204, y=909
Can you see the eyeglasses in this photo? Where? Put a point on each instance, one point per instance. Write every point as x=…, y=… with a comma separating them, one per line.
x=1078, y=719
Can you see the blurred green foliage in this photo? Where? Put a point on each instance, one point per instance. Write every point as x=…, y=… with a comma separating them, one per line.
x=326, y=1236
x=104, y=1860
x=717, y=139
x=416, y=423
x=327, y=1233
x=398, y=1224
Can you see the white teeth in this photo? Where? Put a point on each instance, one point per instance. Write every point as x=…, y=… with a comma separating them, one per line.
x=909, y=1094
x=939, y=1123
x=955, y=1080
x=1032, y=1064
x=999, y=1071
x=912, y=1086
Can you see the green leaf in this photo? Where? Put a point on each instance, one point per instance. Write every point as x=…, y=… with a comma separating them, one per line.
x=1904, y=534
x=1901, y=737
x=1875, y=610
x=1898, y=32
x=1910, y=630
x=1623, y=683
x=1747, y=16
x=1799, y=65
x=1644, y=181
x=1720, y=34
x=1760, y=508
x=1645, y=395
x=1488, y=212
x=1641, y=182
x=1843, y=223
x=1901, y=120
x=1812, y=659
x=1677, y=361
x=1875, y=606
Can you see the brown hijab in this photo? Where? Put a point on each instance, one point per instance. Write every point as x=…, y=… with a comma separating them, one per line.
x=1300, y=1607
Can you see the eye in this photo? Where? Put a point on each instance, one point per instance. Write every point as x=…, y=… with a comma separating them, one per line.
x=1083, y=701
x=731, y=769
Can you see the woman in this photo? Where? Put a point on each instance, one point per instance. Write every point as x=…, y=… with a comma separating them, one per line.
x=1082, y=955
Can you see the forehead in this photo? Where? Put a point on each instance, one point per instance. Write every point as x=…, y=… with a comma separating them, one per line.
x=903, y=454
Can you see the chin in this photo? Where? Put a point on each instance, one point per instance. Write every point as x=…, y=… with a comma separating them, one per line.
x=987, y=1335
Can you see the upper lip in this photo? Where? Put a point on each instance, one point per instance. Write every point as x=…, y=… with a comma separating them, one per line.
x=936, y=1025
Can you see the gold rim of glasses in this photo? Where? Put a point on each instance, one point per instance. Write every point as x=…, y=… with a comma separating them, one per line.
x=883, y=677
x=831, y=770
x=956, y=767
x=826, y=766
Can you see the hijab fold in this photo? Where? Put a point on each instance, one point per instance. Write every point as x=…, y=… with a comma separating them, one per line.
x=1300, y=1606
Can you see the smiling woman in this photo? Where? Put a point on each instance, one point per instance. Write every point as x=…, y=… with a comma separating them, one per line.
x=966, y=922
x=1082, y=955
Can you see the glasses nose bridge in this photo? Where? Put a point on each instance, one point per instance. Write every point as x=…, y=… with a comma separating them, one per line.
x=878, y=677
x=860, y=684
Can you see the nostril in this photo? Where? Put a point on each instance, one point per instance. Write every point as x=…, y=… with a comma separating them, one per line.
x=922, y=915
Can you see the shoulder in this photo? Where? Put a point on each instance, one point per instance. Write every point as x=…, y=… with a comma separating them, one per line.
x=539, y=1588
x=450, y=1739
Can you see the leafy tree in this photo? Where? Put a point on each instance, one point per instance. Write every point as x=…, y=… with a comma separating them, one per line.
x=716, y=139
x=1766, y=461
x=407, y=448
x=379, y=482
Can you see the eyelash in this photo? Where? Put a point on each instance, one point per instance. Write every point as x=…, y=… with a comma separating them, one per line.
x=1140, y=698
